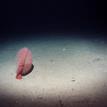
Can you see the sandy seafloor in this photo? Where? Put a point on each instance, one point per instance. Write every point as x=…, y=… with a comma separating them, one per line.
x=67, y=73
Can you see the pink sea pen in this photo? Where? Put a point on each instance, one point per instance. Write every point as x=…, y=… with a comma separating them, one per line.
x=24, y=61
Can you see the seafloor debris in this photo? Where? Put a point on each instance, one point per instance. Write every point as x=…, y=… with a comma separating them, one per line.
x=96, y=59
